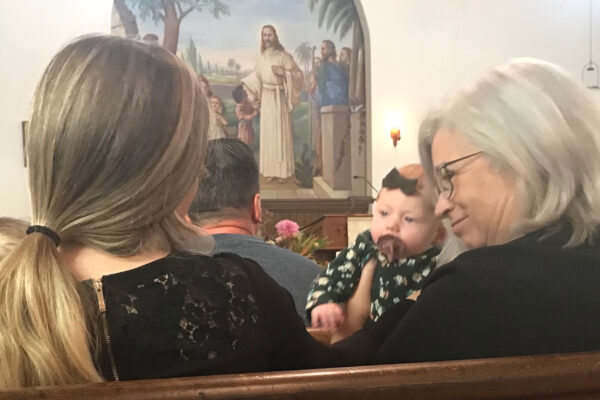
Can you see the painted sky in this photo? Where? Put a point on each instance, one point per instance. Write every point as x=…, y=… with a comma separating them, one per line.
x=237, y=35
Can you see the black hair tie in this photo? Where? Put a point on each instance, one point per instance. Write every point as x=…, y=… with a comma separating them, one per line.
x=44, y=230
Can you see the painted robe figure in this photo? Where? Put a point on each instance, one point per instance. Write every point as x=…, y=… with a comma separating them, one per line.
x=276, y=83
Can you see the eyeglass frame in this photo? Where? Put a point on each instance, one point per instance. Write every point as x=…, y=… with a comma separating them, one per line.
x=442, y=174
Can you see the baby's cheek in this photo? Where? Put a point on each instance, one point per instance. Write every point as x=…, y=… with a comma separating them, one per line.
x=376, y=230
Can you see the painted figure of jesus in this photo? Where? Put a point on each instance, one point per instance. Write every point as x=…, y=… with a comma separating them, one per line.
x=276, y=83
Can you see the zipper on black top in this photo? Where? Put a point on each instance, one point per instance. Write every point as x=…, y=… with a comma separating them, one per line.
x=102, y=306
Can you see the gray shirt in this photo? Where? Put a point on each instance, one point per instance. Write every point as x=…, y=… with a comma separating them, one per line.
x=291, y=270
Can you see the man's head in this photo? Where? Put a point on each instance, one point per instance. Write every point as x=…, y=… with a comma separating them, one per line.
x=328, y=51
x=230, y=188
x=269, y=39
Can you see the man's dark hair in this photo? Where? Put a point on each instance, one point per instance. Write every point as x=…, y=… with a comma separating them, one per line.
x=230, y=182
x=332, y=52
x=238, y=93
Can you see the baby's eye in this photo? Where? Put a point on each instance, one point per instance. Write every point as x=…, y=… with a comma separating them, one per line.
x=409, y=219
x=383, y=213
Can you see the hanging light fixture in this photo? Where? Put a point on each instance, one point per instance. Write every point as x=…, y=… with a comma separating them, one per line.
x=590, y=75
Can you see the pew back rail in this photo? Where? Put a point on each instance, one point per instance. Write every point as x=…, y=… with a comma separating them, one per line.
x=564, y=376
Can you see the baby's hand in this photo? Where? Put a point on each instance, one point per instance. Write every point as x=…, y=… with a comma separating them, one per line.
x=328, y=316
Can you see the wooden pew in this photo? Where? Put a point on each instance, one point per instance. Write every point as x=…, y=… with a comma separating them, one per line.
x=564, y=376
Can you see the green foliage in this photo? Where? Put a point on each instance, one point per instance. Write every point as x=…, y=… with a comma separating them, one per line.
x=191, y=55
x=300, y=128
x=340, y=15
x=304, y=54
x=301, y=243
x=305, y=245
x=229, y=113
x=304, y=169
x=216, y=78
x=200, y=65
x=156, y=8
x=147, y=8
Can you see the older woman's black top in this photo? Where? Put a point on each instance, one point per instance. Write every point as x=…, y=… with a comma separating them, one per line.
x=528, y=296
x=186, y=315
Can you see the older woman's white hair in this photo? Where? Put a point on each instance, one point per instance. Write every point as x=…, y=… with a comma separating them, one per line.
x=535, y=123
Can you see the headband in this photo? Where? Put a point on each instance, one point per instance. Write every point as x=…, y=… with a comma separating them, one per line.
x=394, y=180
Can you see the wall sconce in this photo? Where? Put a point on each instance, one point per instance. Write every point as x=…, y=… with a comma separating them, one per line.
x=395, y=135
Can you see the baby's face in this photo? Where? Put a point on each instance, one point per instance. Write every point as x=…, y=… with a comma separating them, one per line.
x=408, y=218
x=215, y=104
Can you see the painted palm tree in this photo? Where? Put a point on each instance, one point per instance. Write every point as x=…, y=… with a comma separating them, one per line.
x=304, y=53
x=338, y=15
x=341, y=17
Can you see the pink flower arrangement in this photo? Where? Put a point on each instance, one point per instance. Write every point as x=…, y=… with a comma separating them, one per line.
x=287, y=228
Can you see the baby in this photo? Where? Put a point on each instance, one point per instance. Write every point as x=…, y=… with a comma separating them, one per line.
x=401, y=246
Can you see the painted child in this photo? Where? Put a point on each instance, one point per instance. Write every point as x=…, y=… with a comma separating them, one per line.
x=245, y=113
x=217, y=121
x=399, y=252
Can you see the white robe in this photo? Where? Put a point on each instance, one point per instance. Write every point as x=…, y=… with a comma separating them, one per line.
x=278, y=96
x=215, y=129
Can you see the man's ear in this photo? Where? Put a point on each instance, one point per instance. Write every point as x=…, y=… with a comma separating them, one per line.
x=440, y=235
x=256, y=212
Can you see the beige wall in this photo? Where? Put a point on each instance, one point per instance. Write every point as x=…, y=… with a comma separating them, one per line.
x=422, y=48
x=31, y=31
x=419, y=49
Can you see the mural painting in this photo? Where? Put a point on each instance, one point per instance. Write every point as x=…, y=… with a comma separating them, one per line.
x=287, y=77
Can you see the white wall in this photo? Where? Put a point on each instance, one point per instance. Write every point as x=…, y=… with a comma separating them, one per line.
x=419, y=49
x=31, y=31
x=422, y=48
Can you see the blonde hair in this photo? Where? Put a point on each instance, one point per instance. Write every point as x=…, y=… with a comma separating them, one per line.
x=11, y=232
x=535, y=123
x=115, y=140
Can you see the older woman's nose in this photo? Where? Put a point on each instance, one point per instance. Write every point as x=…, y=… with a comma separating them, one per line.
x=443, y=206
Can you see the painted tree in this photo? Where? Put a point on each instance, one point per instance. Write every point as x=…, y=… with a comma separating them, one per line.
x=208, y=68
x=200, y=65
x=231, y=64
x=172, y=12
x=191, y=55
x=341, y=17
x=304, y=54
x=127, y=19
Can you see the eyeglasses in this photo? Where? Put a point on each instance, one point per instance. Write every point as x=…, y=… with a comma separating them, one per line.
x=443, y=176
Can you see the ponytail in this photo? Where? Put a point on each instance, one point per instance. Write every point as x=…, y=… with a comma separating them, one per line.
x=44, y=338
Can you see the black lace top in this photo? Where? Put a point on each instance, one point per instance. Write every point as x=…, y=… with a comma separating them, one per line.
x=186, y=315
